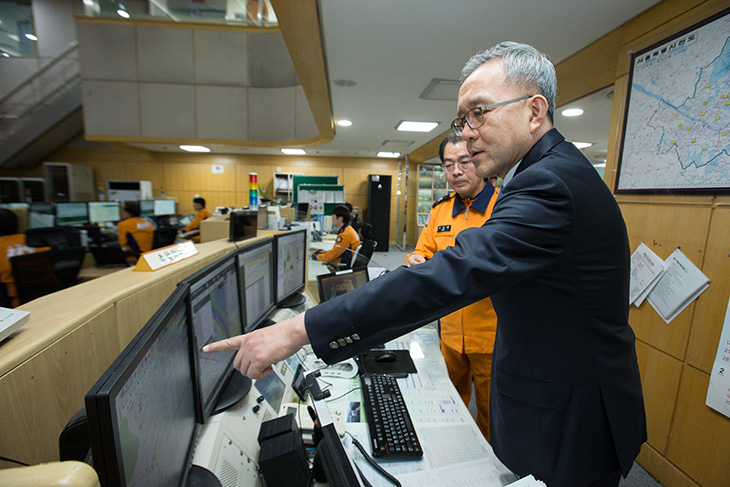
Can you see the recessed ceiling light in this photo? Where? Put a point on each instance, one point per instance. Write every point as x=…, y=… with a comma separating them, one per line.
x=388, y=154
x=344, y=123
x=582, y=145
x=194, y=148
x=572, y=112
x=31, y=37
x=294, y=152
x=123, y=13
x=409, y=126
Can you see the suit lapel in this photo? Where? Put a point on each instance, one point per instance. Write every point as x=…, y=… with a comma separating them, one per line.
x=538, y=151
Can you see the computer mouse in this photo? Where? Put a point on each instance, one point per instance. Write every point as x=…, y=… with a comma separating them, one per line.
x=386, y=357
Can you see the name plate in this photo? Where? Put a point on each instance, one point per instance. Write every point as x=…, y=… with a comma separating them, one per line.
x=157, y=259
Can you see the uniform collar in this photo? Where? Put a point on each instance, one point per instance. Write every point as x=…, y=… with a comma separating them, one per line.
x=480, y=203
x=343, y=228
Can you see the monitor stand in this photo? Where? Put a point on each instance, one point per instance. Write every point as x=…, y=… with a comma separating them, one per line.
x=235, y=389
x=201, y=477
x=293, y=301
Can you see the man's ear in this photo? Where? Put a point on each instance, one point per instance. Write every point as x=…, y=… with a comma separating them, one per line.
x=538, y=112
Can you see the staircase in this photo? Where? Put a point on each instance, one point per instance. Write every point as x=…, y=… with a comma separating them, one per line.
x=42, y=113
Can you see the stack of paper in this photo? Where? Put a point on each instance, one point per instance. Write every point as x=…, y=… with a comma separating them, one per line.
x=11, y=320
x=718, y=392
x=646, y=269
x=681, y=283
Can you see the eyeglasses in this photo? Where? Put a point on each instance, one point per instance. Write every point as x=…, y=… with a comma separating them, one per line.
x=463, y=165
x=475, y=117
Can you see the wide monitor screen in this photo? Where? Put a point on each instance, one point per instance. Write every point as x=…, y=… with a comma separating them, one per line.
x=72, y=213
x=147, y=208
x=41, y=215
x=142, y=412
x=104, y=211
x=257, y=278
x=164, y=207
x=333, y=285
x=291, y=269
x=215, y=314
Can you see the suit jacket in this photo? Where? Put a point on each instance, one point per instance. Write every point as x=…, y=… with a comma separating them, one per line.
x=566, y=399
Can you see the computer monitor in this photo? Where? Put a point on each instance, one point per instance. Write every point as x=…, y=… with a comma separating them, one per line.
x=147, y=208
x=164, y=207
x=215, y=314
x=243, y=225
x=291, y=268
x=41, y=215
x=257, y=282
x=72, y=214
x=332, y=285
x=142, y=413
x=104, y=211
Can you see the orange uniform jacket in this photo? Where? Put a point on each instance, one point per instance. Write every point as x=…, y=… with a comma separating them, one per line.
x=347, y=238
x=471, y=329
x=203, y=214
x=140, y=229
x=12, y=246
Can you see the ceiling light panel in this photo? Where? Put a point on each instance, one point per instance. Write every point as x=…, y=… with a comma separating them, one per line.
x=412, y=126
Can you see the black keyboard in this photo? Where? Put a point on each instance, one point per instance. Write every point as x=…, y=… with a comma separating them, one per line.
x=391, y=429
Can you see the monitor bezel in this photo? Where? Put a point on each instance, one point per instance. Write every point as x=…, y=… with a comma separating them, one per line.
x=206, y=409
x=80, y=204
x=323, y=279
x=90, y=204
x=101, y=417
x=248, y=328
x=277, y=237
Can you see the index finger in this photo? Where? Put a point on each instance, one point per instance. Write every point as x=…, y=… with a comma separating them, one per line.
x=232, y=343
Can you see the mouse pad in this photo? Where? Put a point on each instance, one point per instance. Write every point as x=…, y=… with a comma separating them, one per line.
x=400, y=367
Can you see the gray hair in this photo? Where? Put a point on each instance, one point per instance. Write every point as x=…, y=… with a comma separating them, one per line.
x=523, y=65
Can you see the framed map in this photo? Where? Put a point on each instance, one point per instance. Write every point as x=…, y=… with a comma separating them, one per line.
x=677, y=127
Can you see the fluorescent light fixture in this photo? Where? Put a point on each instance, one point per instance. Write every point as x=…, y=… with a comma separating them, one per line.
x=31, y=37
x=603, y=164
x=409, y=126
x=294, y=152
x=582, y=145
x=123, y=13
x=344, y=123
x=572, y=112
x=5, y=54
x=195, y=148
x=388, y=154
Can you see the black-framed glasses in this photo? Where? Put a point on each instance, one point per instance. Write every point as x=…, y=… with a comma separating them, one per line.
x=475, y=117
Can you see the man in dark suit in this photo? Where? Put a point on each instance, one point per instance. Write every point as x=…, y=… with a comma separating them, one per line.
x=566, y=401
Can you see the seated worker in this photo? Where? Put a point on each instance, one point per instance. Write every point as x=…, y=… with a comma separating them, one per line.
x=347, y=239
x=193, y=228
x=11, y=244
x=355, y=221
x=135, y=233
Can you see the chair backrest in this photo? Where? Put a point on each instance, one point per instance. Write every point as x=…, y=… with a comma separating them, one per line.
x=132, y=242
x=54, y=237
x=366, y=231
x=364, y=253
x=163, y=237
x=44, y=273
x=111, y=256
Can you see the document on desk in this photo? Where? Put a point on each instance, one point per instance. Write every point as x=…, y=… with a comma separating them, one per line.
x=646, y=269
x=681, y=283
x=477, y=473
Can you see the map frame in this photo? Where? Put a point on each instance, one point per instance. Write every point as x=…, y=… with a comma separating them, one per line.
x=620, y=185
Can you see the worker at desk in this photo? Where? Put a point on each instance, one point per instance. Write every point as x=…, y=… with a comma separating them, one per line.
x=346, y=242
x=12, y=244
x=135, y=233
x=193, y=228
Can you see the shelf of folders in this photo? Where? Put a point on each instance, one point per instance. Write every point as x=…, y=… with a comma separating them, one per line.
x=322, y=198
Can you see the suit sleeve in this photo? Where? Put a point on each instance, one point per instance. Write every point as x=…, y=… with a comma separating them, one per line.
x=528, y=231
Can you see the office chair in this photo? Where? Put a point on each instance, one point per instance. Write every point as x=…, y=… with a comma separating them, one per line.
x=163, y=237
x=54, y=237
x=109, y=255
x=364, y=253
x=44, y=273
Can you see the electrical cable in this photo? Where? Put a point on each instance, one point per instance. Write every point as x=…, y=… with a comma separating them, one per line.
x=343, y=395
x=372, y=461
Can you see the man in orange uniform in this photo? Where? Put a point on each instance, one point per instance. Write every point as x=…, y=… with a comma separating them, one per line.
x=12, y=244
x=202, y=214
x=135, y=233
x=467, y=335
x=347, y=239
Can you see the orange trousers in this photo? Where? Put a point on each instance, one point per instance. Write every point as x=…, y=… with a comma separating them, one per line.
x=467, y=368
